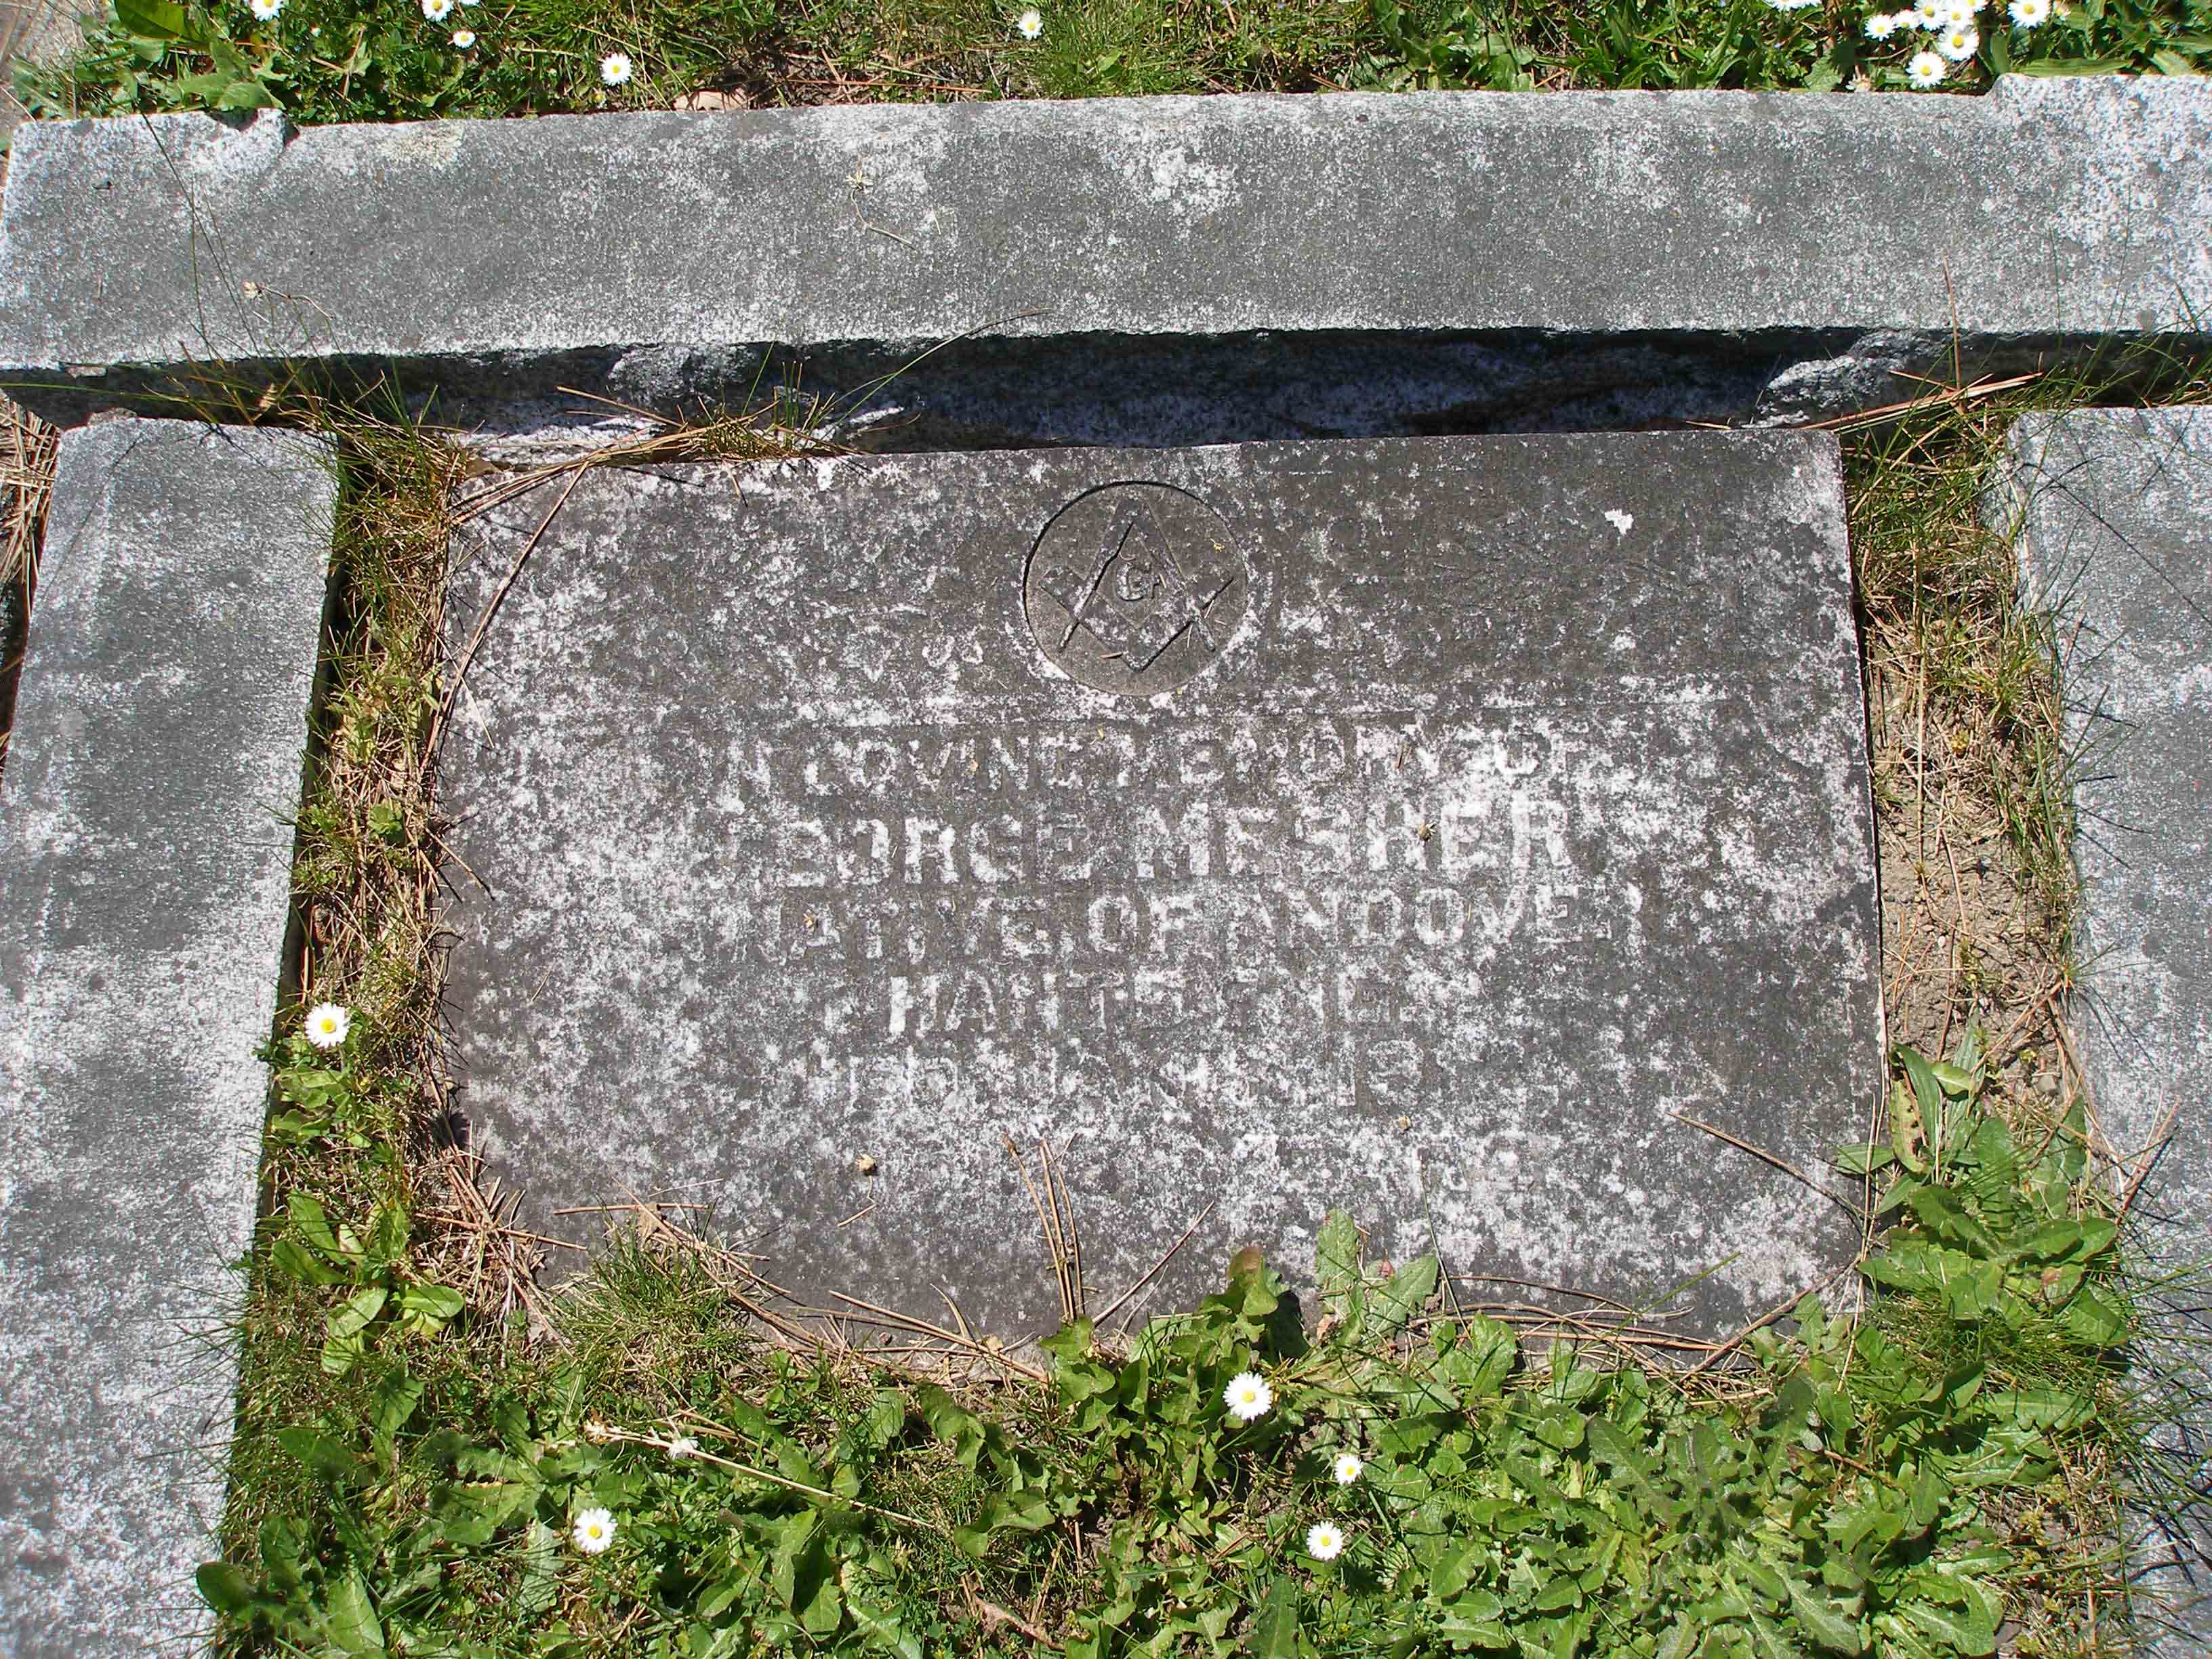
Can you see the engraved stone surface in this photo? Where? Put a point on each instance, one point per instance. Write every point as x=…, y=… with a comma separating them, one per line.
x=2115, y=520
x=145, y=882
x=1419, y=825
x=1130, y=269
x=1135, y=588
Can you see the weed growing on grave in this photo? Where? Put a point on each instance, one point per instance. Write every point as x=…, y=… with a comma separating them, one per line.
x=1953, y=42
x=1972, y=760
x=1899, y=1483
x=334, y=1276
x=333, y=60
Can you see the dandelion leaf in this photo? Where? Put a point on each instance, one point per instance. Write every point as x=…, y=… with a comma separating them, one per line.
x=1828, y=1624
x=1908, y=1128
x=1476, y=1356
x=355, y=1629
x=1246, y=1266
x=223, y=1587
x=1404, y=1294
x=1963, y=1628
x=1336, y=1265
x=1275, y=1630
x=155, y=20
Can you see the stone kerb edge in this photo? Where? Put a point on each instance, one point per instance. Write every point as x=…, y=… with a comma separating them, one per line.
x=2109, y=510
x=1151, y=271
x=145, y=872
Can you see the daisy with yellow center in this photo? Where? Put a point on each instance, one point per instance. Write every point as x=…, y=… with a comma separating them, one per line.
x=1248, y=1396
x=327, y=1024
x=593, y=1531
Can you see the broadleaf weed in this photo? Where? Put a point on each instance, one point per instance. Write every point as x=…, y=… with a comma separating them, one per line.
x=1861, y=1489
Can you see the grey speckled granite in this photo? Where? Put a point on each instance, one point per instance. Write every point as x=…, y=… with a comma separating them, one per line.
x=145, y=869
x=1148, y=270
x=2115, y=514
x=1414, y=824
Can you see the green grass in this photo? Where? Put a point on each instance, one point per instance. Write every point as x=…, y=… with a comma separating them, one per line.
x=1899, y=1484
x=344, y=60
x=1973, y=764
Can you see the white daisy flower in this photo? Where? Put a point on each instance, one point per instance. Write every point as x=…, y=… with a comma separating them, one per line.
x=1346, y=1467
x=266, y=10
x=614, y=68
x=437, y=10
x=2030, y=14
x=1928, y=15
x=1907, y=20
x=1324, y=1540
x=1031, y=24
x=593, y=1531
x=327, y=1024
x=1880, y=26
x=465, y=38
x=1958, y=45
x=1926, y=69
x=1248, y=1396
x=683, y=1449
x=1791, y=5
x=1958, y=14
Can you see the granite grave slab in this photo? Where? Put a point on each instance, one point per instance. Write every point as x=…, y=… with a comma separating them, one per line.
x=2114, y=514
x=145, y=882
x=1160, y=270
x=1426, y=826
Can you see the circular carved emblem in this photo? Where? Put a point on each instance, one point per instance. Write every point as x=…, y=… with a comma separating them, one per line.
x=1135, y=588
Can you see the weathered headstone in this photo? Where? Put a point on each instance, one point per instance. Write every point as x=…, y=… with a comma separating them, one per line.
x=2115, y=518
x=1423, y=826
x=145, y=878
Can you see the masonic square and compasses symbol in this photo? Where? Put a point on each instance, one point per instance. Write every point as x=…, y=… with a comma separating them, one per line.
x=1135, y=588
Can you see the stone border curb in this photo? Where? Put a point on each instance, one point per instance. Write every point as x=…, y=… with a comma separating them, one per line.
x=1151, y=271
x=145, y=888
x=2111, y=509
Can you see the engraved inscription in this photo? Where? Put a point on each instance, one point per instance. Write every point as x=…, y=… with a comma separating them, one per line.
x=920, y=889
x=1135, y=588
x=1350, y=824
